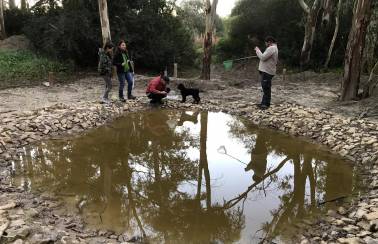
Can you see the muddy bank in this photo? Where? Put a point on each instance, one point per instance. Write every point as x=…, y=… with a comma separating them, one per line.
x=39, y=217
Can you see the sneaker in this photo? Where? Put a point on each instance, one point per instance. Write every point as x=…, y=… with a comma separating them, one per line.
x=122, y=100
x=131, y=97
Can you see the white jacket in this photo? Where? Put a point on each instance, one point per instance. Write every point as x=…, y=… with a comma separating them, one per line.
x=268, y=60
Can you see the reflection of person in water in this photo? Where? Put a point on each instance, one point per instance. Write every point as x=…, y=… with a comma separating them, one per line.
x=187, y=117
x=258, y=158
x=157, y=127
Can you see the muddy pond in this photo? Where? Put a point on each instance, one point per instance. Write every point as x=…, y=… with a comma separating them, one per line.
x=188, y=177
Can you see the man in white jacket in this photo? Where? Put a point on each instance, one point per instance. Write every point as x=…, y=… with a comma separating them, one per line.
x=267, y=69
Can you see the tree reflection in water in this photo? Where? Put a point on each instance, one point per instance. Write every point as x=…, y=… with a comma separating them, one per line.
x=128, y=176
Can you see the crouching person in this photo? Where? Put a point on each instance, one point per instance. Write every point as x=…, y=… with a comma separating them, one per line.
x=157, y=89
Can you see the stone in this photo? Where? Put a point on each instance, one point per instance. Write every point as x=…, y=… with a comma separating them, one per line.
x=31, y=213
x=373, y=226
x=16, y=223
x=305, y=241
x=18, y=241
x=371, y=216
x=17, y=233
x=369, y=240
x=8, y=206
x=360, y=213
x=353, y=240
x=342, y=211
x=363, y=234
x=351, y=229
x=45, y=238
x=339, y=222
x=348, y=220
x=364, y=225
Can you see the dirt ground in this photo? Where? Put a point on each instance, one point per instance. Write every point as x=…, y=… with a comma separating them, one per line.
x=235, y=91
x=307, y=89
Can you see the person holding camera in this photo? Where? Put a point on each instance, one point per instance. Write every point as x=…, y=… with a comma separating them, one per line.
x=267, y=69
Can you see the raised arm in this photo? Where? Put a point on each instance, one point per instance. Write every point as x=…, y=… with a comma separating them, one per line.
x=266, y=55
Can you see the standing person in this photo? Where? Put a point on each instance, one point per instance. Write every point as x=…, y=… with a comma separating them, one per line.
x=267, y=69
x=157, y=89
x=124, y=70
x=259, y=158
x=105, y=69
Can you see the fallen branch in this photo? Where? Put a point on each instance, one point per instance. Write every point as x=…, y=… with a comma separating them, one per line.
x=332, y=200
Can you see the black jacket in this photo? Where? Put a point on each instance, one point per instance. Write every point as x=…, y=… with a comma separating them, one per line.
x=118, y=61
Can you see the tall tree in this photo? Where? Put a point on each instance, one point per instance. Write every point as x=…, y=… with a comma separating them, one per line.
x=12, y=4
x=355, y=49
x=211, y=10
x=3, y=34
x=371, y=41
x=328, y=9
x=372, y=83
x=335, y=33
x=311, y=13
x=104, y=18
x=23, y=4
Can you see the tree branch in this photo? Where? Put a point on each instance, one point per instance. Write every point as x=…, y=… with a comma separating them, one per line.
x=304, y=6
x=237, y=199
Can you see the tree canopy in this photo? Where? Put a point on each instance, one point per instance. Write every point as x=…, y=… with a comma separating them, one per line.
x=71, y=30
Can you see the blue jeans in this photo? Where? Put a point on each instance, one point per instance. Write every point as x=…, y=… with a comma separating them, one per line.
x=123, y=77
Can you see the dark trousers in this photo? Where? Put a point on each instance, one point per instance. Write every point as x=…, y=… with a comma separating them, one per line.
x=108, y=85
x=123, y=77
x=266, y=84
x=155, y=98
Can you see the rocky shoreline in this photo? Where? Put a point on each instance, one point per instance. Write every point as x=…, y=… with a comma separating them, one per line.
x=39, y=218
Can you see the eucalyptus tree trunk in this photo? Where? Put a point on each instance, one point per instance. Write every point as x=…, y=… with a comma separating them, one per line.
x=3, y=34
x=104, y=18
x=355, y=49
x=328, y=8
x=372, y=83
x=310, y=27
x=12, y=4
x=211, y=11
x=371, y=41
x=23, y=5
x=335, y=33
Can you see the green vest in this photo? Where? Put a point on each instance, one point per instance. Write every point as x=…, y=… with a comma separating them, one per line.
x=126, y=62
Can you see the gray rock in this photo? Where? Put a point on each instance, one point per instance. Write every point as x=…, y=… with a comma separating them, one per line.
x=353, y=240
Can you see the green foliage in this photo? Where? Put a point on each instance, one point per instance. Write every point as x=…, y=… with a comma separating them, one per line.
x=155, y=37
x=252, y=20
x=25, y=65
x=192, y=13
x=15, y=21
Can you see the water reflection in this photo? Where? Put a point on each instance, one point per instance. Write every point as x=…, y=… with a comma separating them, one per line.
x=188, y=177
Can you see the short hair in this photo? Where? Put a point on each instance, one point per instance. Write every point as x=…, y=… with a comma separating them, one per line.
x=270, y=39
x=166, y=78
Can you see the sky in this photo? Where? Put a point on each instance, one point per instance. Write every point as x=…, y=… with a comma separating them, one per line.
x=224, y=6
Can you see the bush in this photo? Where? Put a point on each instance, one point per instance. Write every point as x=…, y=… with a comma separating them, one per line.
x=24, y=65
x=155, y=37
x=15, y=21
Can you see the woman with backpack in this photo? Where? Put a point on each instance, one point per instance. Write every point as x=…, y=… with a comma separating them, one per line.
x=105, y=69
x=124, y=70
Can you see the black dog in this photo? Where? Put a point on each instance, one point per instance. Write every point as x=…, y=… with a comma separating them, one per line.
x=189, y=92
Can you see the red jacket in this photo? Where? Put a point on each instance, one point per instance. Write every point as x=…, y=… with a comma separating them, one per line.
x=156, y=86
